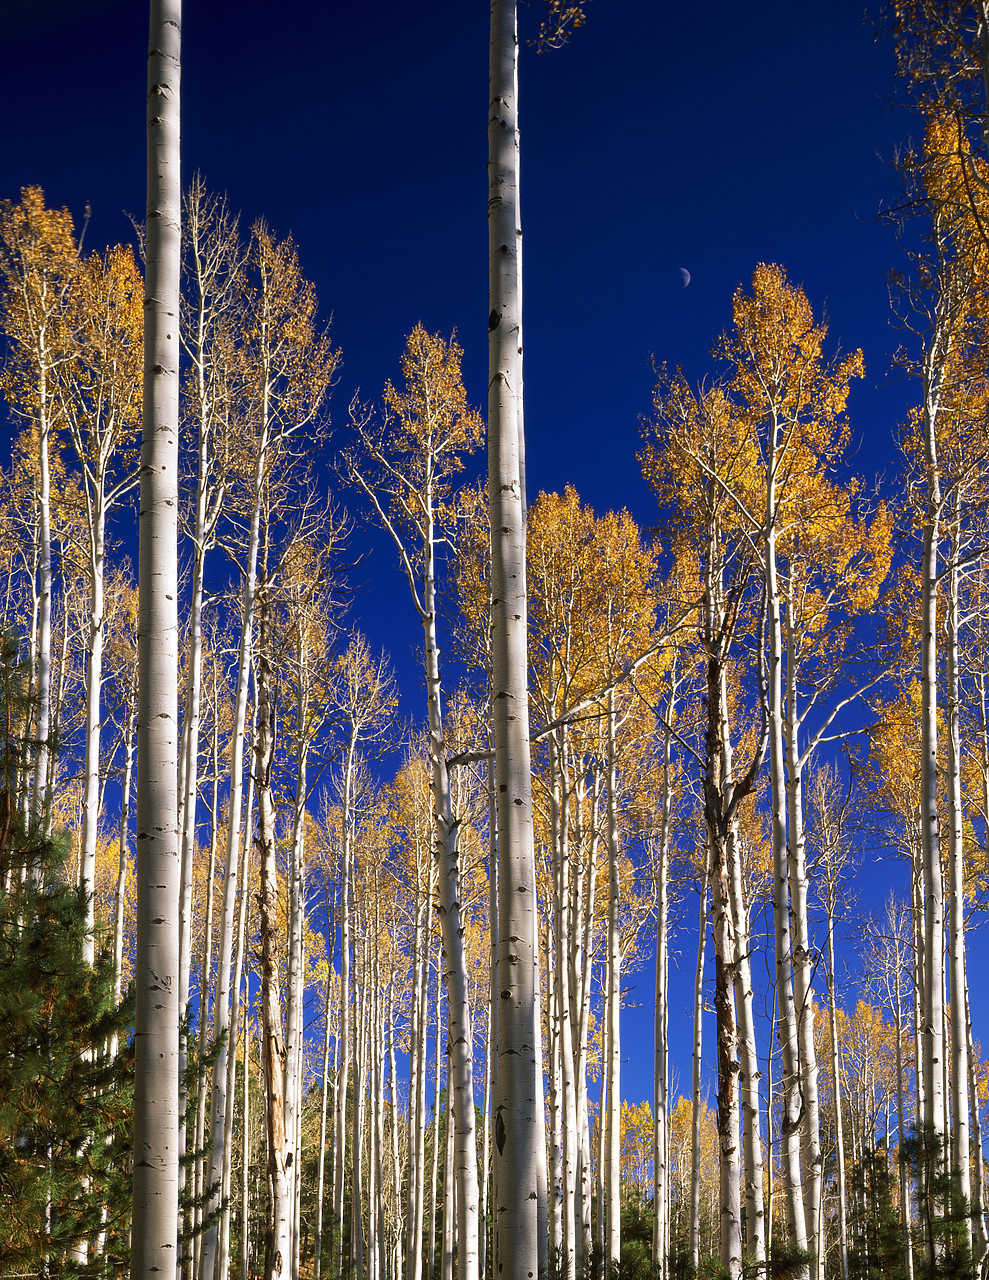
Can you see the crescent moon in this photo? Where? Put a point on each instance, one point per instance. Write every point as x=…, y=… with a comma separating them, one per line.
x=686, y=276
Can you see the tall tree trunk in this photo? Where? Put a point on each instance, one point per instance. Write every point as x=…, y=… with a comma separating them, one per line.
x=661, y=1066
x=830, y=904
x=695, y=1090
x=417, y=1150
x=790, y=1124
x=296, y=957
x=204, y=984
x=221, y=1003
x=91, y=763
x=580, y=987
x=40, y=798
x=905, y=1224
x=324, y=1091
x=343, y=1072
x=449, y=1189
x=803, y=957
x=612, y=1175
x=156, y=1032
x=396, y=1273
x=360, y=1086
x=725, y=949
x=750, y=1075
x=722, y=795
x=980, y=1242
x=446, y=829
x=961, y=1177
x=434, y=1181
x=226, y=1164
x=932, y=880
x=518, y=1095
x=557, y=1187
x=564, y=952
x=278, y=1240
x=124, y=851
x=245, y=1184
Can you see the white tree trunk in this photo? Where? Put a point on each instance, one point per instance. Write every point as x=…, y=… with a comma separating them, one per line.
x=360, y=1083
x=803, y=958
x=221, y=1003
x=343, y=1071
x=91, y=763
x=980, y=1242
x=446, y=827
x=226, y=1164
x=396, y=1272
x=661, y=1066
x=905, y=1224
x=933, y=885
x=434, y=1180
x=695, y=1089
x=830, y=904
x=156, y=1034
x=417, y=1095
x=518, y=1095
x=960, y=1146
x=119, y=902
x=750, y=1075
x=324, y=1092
x=449, y=1189
x=204, y=986
x=42, y=674
x=612, y=1172
x=278, y=1238
x=296, y=961
x=725, y=950
x=790, y=1125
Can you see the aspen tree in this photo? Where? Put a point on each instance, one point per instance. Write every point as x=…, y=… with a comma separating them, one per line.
x=413, y=823
x=888, y=958
x=102, y=391
x=305, y=626
x=38, y=265
x=566, y=673
x=696, y=1062
x=286, y=366
x=833, y=853
x=325, y=856
x=518, y=1091
x=936, y=371
x=360, y=697
x=277, y=1236
x=211, y=300
x=791, y=400
x=591, y=631
x=405, y=468
x=661, y=1065
x=626, y=572
x=942, y=55
x=128, y=732
x=693, y=448
x=156, y=1033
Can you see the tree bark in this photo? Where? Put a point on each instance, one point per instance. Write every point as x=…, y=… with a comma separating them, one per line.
x=156, y=1034
x=695, y=1090
x=518, y=1093
x=278, y=1239
x=960, y=1146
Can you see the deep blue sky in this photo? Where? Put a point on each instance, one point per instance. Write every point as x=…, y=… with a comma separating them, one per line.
x=709, y=137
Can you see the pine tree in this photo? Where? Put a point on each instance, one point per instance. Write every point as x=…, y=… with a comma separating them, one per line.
x=66, y=1099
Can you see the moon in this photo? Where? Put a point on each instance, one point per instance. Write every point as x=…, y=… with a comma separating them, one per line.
x=685, y=275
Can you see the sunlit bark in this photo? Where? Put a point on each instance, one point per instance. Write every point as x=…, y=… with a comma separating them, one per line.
x=156, y=1033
